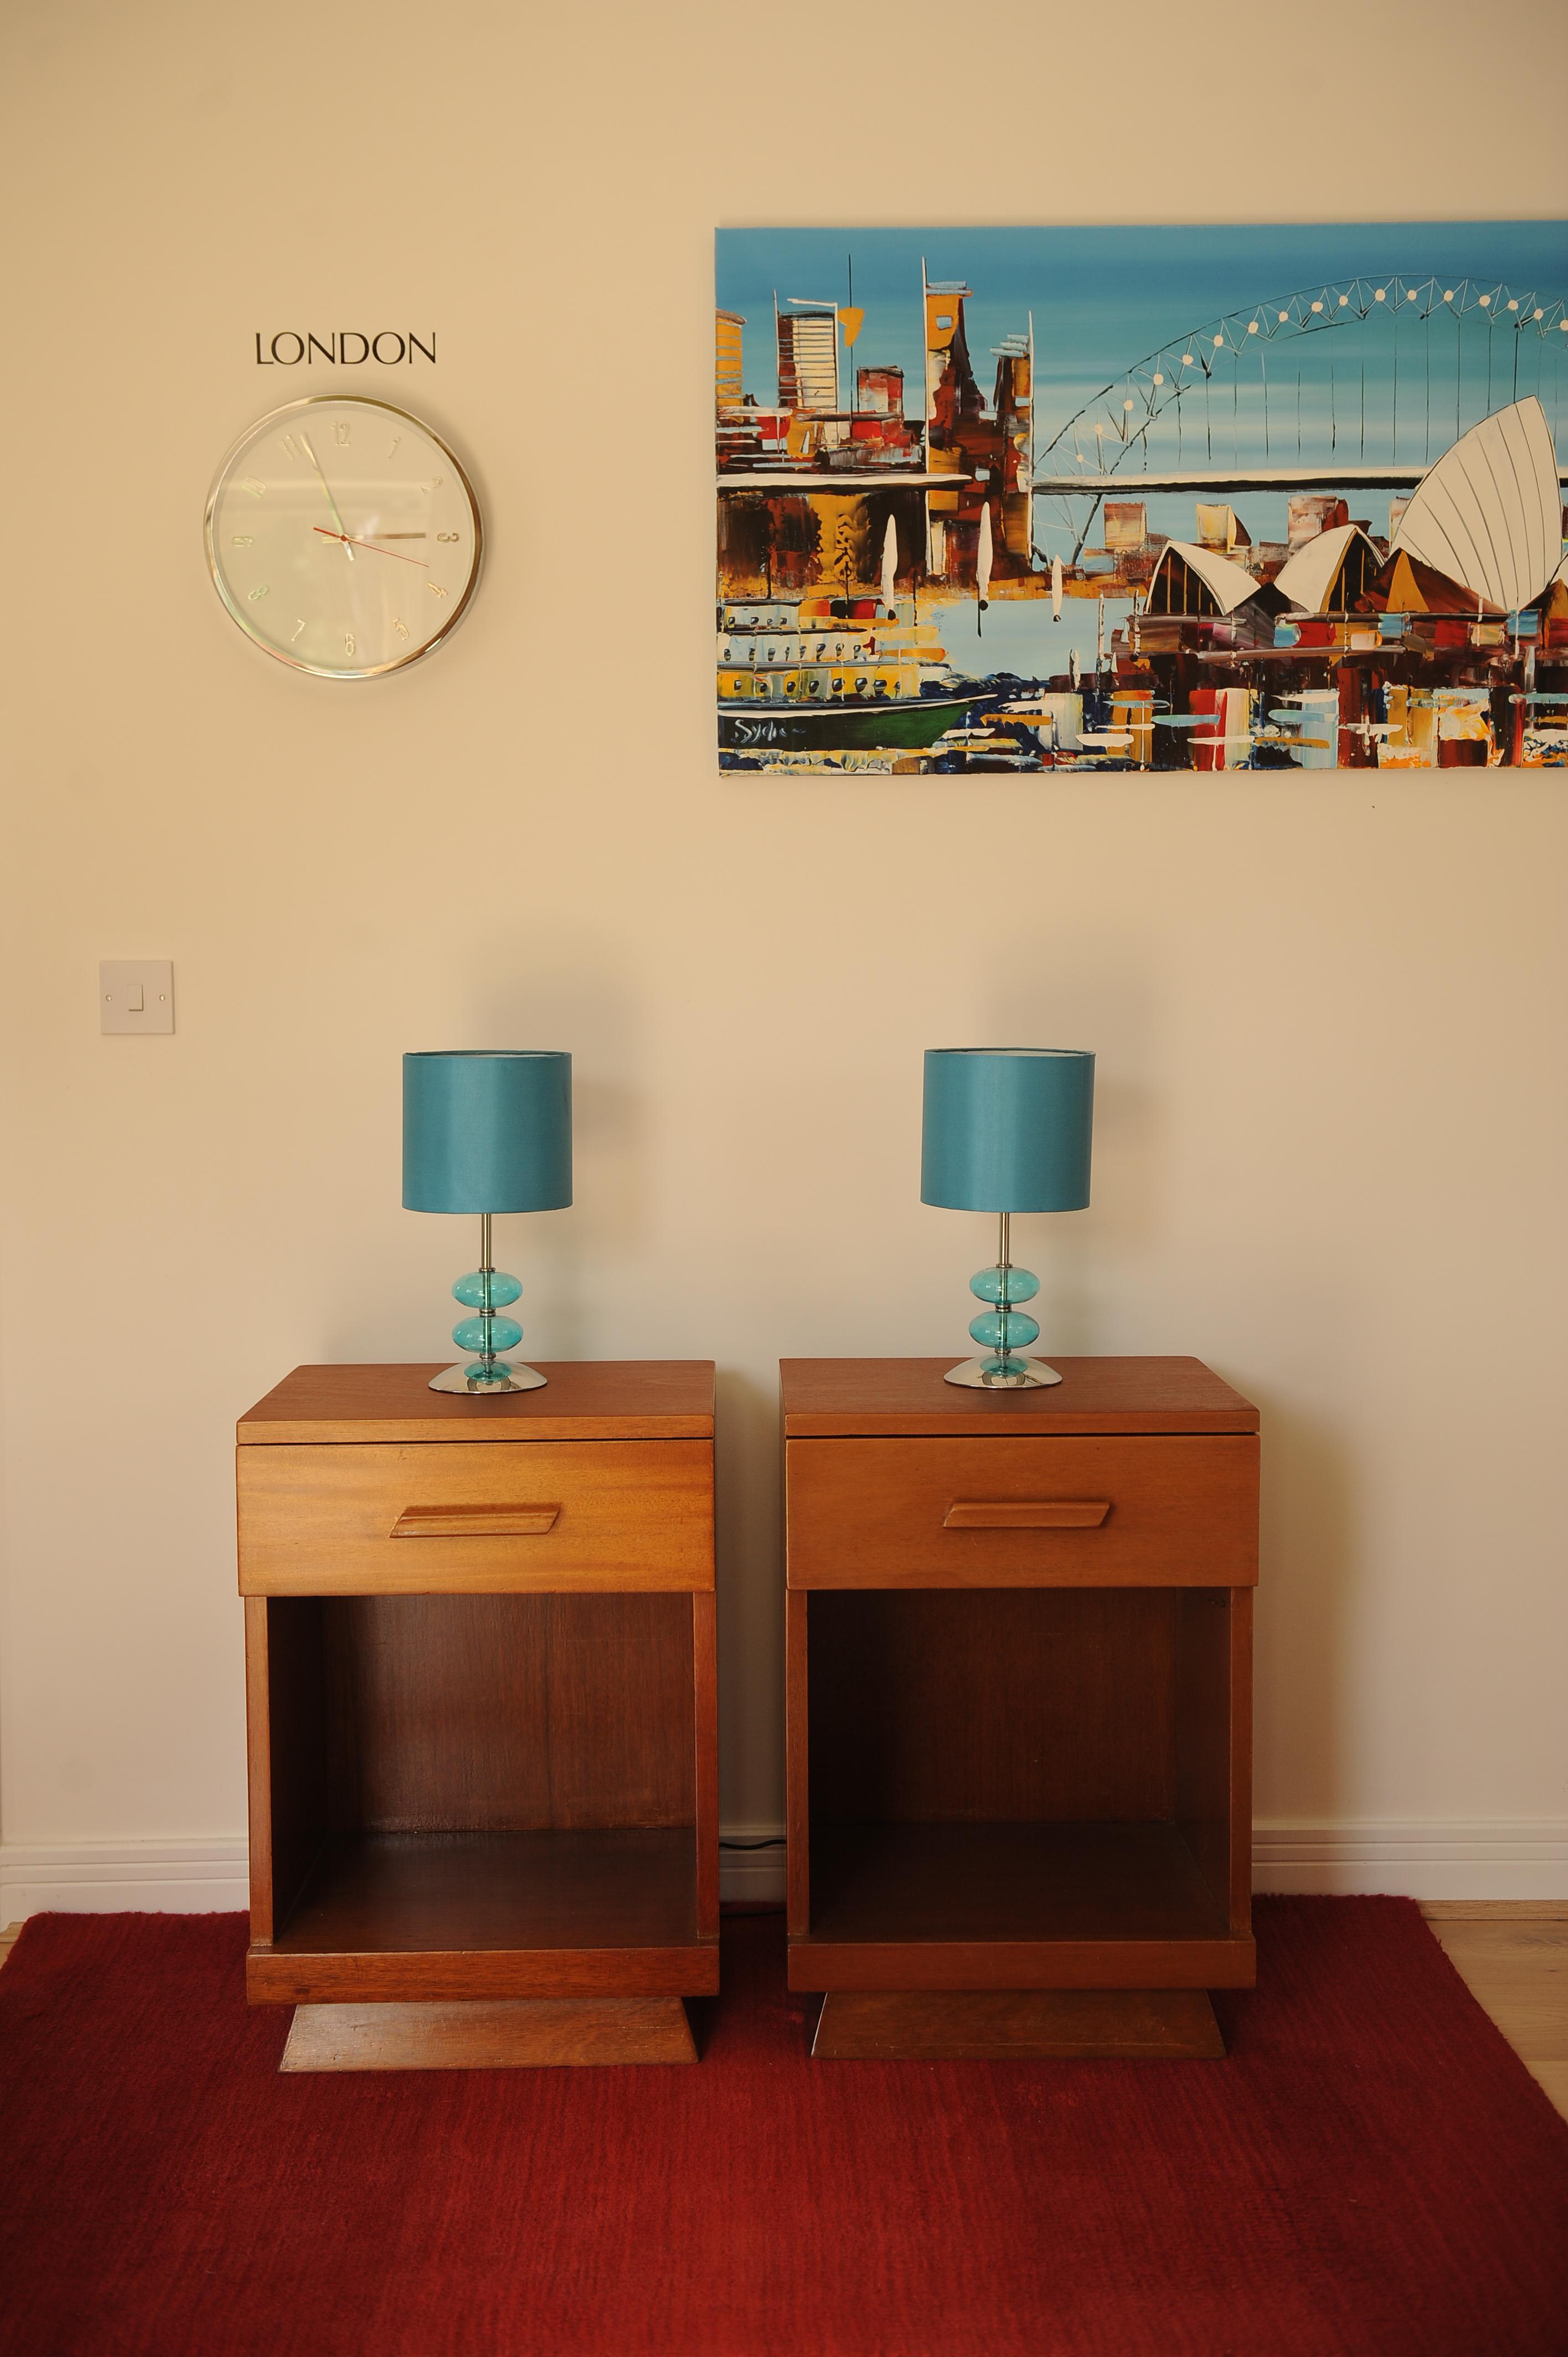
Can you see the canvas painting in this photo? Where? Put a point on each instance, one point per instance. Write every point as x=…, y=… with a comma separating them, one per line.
x=998, y=499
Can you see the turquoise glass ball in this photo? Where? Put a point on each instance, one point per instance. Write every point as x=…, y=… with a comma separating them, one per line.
x=1021, y=1284
x=470, y=1289
x=1003, y=1329
x=486, y=1333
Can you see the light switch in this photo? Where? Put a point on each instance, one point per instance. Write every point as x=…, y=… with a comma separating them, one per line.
x=135, y=994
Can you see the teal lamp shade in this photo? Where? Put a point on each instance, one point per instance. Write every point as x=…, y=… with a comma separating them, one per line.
x=487, y=1131
x=1008, y=1129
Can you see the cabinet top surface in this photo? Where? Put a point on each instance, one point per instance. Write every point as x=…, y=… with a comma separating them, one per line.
x=604, y=1399
x=837, y=1398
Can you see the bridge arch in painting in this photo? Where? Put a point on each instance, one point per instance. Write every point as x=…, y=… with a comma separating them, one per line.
x=1363, y=374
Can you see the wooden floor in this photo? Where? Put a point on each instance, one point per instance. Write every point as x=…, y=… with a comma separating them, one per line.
x=1513, y=1956
x=1513, y=1953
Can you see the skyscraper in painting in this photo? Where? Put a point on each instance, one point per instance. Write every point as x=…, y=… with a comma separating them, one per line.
x=727, y=339
x=807, y=336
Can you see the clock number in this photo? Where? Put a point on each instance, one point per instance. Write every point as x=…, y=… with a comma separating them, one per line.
x=449, y=535
x=395, y=440
x=240, y=539
x=340, y=429
x=435, y=589
x=435, y=482
x=401, y=627
x=347, y=642
x=262, y=590
x=257, y=491
x=294, y=633
x=291, y=446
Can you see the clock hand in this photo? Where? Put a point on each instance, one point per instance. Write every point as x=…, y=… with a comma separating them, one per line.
x=328, y=488
x=402, y=559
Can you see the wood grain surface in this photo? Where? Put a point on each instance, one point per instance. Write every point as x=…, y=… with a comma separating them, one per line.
x=1090, y=1905
x=1513, y=1956
x=424, y=1917
x=319, y=1520
x=1011, y=1704
x=1016, y=2025
x=503, y=1713
x=613, y=1887
x=514, y=2034
x=631, y=1399
x=438, y=1976
x=879, y=1512
x=796, y=1761
x=703, y=1679
x=1022, y=1882
x=1213, y=1724
x=828, y=1964
x=285, y=1712
x=843, y=1398
x=464, y=1714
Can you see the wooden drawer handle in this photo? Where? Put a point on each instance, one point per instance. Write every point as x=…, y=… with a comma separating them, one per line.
x=1026, y=1514
x=474, y=1521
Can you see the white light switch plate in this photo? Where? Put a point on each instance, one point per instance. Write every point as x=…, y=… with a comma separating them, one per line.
x=135, y=994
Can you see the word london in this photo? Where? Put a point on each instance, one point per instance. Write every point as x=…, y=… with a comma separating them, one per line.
x=287, y=348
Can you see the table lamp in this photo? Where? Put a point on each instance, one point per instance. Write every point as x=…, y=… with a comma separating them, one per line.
x=487, y=1132
x=1006, y=1129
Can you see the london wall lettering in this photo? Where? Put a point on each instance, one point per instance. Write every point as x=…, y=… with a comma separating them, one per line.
x=344, y=348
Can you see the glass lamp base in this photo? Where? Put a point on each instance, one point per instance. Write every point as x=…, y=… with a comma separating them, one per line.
x=482, y=1383
x=1010, y=1374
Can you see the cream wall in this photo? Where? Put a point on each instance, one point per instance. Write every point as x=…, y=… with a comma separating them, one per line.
x=1331, y=1151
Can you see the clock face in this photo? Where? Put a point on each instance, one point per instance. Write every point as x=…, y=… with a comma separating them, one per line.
x=343, y=536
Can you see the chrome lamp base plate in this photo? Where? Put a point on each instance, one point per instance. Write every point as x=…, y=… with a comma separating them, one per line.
x=1022, y=1375
x=509, y=1379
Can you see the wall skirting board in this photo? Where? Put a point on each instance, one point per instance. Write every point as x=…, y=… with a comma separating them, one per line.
x=1415, y=1857
x=1491, y=1857
x=173, y=1878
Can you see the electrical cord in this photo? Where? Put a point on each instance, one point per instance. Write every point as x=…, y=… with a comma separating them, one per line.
x=770, y=1841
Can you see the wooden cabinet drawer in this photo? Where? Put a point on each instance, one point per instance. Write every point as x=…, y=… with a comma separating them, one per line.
x=386, y=1520
x=1157, y=1510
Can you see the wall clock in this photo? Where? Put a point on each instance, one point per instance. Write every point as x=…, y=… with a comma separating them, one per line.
x=343, y=535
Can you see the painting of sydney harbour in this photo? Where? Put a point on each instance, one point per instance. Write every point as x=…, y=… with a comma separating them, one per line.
x=1277, y=497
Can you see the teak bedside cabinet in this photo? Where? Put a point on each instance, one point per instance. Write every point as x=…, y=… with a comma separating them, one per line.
x=1019, y=1634
x=481, y=1700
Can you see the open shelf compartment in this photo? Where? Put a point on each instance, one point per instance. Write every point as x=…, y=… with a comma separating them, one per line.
x=504, y=1782
x=1023, y=1787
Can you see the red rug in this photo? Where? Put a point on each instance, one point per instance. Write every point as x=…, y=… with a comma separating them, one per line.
x=1372, y=2171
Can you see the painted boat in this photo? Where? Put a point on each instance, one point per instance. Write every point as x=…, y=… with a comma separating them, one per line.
x=823, y=674
x=910, y=723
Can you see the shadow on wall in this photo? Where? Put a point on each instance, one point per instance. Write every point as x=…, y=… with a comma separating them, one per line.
x=1306, y=1610
x=1073, y=1253
x=751, y=1585
x=611, y=1177
x=610, y=1190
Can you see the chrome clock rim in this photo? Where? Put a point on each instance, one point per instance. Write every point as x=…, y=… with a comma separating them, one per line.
x=384, y=408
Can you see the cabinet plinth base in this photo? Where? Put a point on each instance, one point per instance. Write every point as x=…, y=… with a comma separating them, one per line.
x=1016, y=2025
x=515, y=2033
